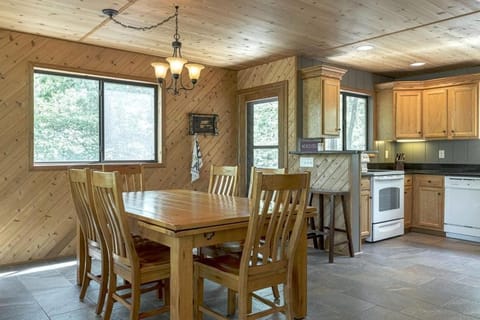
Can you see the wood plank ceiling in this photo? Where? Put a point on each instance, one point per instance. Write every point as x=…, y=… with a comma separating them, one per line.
x=238, y=34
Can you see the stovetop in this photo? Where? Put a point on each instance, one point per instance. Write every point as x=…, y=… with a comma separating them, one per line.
x=380, y=172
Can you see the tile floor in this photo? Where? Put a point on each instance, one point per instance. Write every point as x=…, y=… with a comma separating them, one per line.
x=416, y=276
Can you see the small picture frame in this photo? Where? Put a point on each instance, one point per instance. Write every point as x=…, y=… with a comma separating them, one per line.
x=203, y=124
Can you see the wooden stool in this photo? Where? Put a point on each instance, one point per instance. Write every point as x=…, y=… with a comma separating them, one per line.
x=331, y=229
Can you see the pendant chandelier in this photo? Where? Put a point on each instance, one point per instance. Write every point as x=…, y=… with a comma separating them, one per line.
x=175, y=63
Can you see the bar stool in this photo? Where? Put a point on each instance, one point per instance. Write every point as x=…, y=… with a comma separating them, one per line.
x=331, y=228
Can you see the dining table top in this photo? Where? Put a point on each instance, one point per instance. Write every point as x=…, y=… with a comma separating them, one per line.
x=180, y=210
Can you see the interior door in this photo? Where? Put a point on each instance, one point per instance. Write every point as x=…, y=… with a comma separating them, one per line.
x=262, y=138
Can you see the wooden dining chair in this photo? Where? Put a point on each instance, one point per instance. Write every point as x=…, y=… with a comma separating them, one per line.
x=94, y=243
x=132, y=176
x=223, y=180
x=137, y=265
x=275, y=226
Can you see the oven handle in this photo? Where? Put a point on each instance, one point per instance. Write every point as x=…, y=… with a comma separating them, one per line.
x=390, y=178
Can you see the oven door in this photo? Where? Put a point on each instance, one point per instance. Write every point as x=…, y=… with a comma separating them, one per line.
x=387, y=198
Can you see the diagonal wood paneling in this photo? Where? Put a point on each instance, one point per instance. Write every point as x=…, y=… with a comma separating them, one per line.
x=37, y=220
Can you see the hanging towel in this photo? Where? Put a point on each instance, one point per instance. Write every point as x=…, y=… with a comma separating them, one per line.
x=197, y=162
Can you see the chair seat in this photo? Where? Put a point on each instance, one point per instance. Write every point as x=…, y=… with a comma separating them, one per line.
x=225, y=263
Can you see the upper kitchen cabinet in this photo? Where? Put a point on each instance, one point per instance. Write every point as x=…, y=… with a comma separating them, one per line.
x=321, y=101
x=451, y=112
x=408, y=114
x=446, y=108
x=463, y=111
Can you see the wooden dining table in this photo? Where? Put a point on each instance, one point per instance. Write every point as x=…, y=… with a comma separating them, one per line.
x=186, y=219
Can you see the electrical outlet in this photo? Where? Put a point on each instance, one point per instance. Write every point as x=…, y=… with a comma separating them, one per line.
x=306, y=162
x=441, y=154
x=386, y=154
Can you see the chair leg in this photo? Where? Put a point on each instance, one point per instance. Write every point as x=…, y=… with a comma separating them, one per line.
x=231, y=302
x=85, y=282
x=112, y=287
x=135, y=300
x=244, y=301
x=103, y=285
x=276, y=292
x=331, y=231
x=348, y=227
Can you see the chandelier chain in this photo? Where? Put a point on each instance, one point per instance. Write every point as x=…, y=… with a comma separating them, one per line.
x=153, y=26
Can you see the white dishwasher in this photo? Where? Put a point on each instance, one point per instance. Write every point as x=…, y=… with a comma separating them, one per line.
x=462, y=208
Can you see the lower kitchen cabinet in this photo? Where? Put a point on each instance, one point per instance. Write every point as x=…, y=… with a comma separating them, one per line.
x=428, y=202
x=408, y=201
x=365, y=208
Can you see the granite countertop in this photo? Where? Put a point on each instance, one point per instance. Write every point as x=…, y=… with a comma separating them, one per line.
x=435, y=169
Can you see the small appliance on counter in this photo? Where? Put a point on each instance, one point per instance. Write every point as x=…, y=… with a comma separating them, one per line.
x=364, y=160
x=400, y=161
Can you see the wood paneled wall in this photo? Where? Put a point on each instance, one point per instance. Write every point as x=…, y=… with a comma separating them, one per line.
x=284, y=69
x=37, y=219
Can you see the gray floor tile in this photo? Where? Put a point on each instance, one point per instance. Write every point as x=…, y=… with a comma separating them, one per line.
x=414, y=277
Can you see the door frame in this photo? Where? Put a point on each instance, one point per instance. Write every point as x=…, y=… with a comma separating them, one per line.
x=277, y=89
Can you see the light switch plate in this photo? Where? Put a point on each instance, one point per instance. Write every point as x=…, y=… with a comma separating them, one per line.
x=306, y=162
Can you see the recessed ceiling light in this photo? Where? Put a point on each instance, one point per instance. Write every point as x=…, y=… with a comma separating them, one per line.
x=417, y=64
x=365, y=47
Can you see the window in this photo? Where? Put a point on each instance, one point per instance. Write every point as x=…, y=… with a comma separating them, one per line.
x=262, y=135
x=85, y=119
x=354, y=120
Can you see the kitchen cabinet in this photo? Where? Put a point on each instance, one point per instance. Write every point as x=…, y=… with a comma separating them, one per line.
x=408, y=201
x=408, y=114
x=321, y=101
x=365, y=208
x=451, y=112
x=435, y=111
x=428, y=202
x=463, y=111
x=444, y=108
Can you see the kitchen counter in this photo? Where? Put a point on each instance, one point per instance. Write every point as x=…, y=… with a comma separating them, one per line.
x=434, y=169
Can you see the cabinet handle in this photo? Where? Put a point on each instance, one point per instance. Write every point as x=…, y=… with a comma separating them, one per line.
x=439, y=194
x=429, y=181
x=419, y=132
x=339, y=129
x=444, y=131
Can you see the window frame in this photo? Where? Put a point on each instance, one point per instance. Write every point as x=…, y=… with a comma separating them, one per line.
x=343, y=98
x=159, y=125
x=343, y=136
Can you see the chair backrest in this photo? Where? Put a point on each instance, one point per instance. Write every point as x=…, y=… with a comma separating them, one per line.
x=131, y=176
x=263, y=170
x=80, y=186
x=107, y=195
x=223, y=180
x=276, y=221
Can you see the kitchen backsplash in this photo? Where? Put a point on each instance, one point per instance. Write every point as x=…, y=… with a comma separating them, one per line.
x=453, y=152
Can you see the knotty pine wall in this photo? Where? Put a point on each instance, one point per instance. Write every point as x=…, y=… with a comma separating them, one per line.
x=37, y=219
x=280, y=70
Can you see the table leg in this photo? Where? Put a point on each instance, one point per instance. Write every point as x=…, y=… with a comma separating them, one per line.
x=181, y=279
x=299, y=289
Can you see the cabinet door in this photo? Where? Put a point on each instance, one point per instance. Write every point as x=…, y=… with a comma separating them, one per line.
x=365, y=222
x=463, y=111
x=384, y=115
x=429, y=208
x=434, y=113
x=408, y=114
x=331, y=107
x=312, y=106
x=408, y=206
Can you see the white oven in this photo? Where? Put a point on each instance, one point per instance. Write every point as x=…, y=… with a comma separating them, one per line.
x=387, y=205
